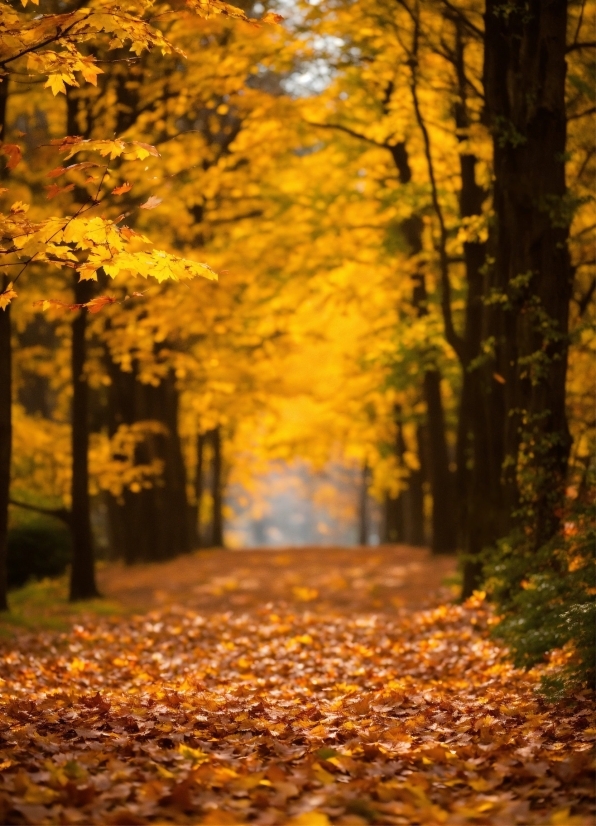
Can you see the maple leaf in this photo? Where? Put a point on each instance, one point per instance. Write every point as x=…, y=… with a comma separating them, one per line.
x=6, y=296
x=120, y=190
x=14, y=154
x=152, y=202
x=54, y=190
x=95, y=305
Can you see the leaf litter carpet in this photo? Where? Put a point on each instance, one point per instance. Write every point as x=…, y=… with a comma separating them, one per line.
x=325, y=695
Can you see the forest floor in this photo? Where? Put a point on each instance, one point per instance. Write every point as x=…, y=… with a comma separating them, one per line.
x=305, y=687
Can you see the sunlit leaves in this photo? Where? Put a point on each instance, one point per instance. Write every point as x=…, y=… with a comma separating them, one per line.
x=7, y=295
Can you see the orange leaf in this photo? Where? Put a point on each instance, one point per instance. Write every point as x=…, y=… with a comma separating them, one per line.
x=97, y=304
x=55, y=173
x=14, y=154
x=54, y=190
x=120, y=190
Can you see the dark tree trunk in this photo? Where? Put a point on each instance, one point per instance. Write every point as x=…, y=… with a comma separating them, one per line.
x=363, y=516
x=444, y=530
x=418, y=479
x=82, y=577
x=217, y=489
x=404, y=513
x=5, y=438
x=395, y=506
x=199, y=486
x=153, y=523
x=5, y=399
x=444, y=526
x=524, y=438
x=444, y=523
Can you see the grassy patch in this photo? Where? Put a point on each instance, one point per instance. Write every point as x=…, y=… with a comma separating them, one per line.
x=44, y=605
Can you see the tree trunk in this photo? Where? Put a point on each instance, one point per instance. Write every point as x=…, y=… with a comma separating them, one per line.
x=150, y=524
x=82, y=577
x=524, y=81
x=396, y=506
x=199, y=486
x=363, y=519
x=5, y=400
x=444, y=539
x=5, y=438
x=444, y=526
x=217, y=489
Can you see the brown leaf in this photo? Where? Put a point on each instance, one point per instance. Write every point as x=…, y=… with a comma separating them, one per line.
x=14, y=154
x=151, y=202
x=54, y=190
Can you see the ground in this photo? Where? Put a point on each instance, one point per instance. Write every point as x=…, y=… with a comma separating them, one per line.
x=305, y=687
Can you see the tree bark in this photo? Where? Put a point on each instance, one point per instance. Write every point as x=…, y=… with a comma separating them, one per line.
x=524, y=81
x=153, y=523
x=444, y=532
x=5, y=401
x=217, y=489
x=5, y=438
x=199, y=485
x=82, y=577
x=363, y=520
x=404, y=513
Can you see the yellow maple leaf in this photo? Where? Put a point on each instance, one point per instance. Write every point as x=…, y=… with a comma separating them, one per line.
x=6, y=296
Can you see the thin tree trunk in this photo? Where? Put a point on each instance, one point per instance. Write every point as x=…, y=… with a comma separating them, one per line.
x=5, y=440
x=396, y=506
x=153, y=523
x=217, y=489
x=443, y=517
x=82, y=578
x=363, y=517
x=199, y=484
x=5, y=401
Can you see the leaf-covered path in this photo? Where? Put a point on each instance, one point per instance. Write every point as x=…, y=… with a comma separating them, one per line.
x=287, y=711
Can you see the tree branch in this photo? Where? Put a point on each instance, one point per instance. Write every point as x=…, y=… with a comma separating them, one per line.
x=453, y=339
x=58, y=513
x=349, y=131
x=465, y=20
x=584, y=302
x=588, y=44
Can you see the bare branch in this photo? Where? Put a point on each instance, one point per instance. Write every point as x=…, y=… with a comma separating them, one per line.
x=59, y=513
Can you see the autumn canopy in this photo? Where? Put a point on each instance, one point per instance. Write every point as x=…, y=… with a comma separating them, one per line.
x=314, y=275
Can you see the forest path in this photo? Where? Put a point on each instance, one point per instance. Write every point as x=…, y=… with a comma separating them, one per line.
x=322, y=579
x=293, y=688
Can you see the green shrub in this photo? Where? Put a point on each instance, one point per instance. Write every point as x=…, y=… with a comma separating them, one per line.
x=37, y=551
x=546, y=598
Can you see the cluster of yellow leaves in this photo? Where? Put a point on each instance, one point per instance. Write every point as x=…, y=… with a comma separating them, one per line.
x=42, y=466
x=281, y=717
